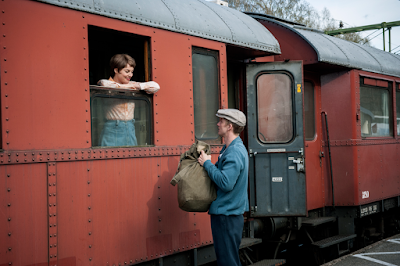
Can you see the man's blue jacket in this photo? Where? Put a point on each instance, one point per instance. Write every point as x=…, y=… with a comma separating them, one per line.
x=230, y=175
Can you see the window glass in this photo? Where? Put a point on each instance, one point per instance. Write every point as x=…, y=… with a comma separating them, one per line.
x=120, y=118
x=205, y=94
x=274, y=110
x=309, y=110
x=398, y=108
x=376, y=114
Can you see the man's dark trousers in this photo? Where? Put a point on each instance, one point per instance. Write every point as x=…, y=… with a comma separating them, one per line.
x=227, y=234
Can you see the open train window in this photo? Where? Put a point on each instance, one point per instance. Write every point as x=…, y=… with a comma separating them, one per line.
x=104, y=43
x=205, y=94
x=309, y=110
x=274, y=108
x=376, y=108
x=398, y=108
x=119, y=117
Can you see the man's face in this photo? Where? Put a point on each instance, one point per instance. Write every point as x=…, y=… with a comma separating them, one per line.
x=223, y=127
x=124, y=75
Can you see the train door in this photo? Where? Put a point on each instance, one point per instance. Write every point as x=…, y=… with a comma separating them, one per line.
x=276, y=139
x=313, y=142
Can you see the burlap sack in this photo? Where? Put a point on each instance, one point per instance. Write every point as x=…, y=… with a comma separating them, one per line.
x=196, y=191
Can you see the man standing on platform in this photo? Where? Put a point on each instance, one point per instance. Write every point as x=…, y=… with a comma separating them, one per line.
x=230, y=175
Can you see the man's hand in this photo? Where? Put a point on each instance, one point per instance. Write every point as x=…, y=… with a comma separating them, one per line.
x=203, y=158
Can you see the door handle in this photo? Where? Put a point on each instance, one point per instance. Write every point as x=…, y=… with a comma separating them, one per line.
x=299, y=164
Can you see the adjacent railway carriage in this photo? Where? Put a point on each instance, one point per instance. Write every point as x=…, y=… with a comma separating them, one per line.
x=352, y=174
x=66, y=200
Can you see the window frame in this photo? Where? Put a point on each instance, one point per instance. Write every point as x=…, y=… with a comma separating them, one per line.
x=118, y=93
x=292, y=88
x=379, y=84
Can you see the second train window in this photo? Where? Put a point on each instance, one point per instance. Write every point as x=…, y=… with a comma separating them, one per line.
x=376, y=108
x=205, y=94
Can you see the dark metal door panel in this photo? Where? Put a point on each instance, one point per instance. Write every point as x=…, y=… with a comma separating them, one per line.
x=275, y=139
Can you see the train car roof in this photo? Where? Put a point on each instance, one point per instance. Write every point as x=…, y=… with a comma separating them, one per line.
x=336, y=51
x=193, y=17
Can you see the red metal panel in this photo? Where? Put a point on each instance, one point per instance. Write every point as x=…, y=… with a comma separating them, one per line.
x=390, y=174
x=370, y=174
x=176, y=110
x=293, y=47
x=376, y=82
x=337, y=94
x=72, y=194
x=339, y=101
x=52, y=212
x=344, y=176
x=172, y=110
x=369, y=81
x=382, y=83
x=378, y=173
x=124, y=210
x=44, y=72
x=23, y=215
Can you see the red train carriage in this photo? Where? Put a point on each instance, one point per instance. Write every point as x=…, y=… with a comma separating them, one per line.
x=64, y=199
x=352, y=173
x=68, y=201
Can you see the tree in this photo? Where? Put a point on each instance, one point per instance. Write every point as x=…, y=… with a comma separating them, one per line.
x=299, y=11
x=328, y=23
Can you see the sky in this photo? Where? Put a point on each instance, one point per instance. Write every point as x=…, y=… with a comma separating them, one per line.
x=355, y=13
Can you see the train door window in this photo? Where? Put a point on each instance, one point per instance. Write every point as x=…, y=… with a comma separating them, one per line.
x=398, y=108
x=376, y=108
x=274, y=108
x=119, y=117
x=309, y=110
x=205, y=94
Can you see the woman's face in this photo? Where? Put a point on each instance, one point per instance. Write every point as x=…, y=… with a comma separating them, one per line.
x=124, y=75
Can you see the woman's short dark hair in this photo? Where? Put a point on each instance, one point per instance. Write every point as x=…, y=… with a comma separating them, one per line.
x=120, y=61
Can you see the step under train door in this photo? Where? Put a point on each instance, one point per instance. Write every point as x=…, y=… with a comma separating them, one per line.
x=276, y=139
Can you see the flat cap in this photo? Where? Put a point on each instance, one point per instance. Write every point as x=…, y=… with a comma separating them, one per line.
x=233, y=115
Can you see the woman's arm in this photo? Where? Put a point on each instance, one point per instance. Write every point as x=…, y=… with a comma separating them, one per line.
x=149, y=87
x=133, y=85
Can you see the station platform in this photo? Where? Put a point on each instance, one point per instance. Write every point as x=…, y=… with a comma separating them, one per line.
x=385, y=252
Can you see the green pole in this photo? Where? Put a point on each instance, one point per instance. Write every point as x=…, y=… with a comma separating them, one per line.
x=363, y=28
x=383, y=39
x=390, y=41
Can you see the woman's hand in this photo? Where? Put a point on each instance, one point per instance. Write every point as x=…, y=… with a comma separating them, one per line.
x=150, y=87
